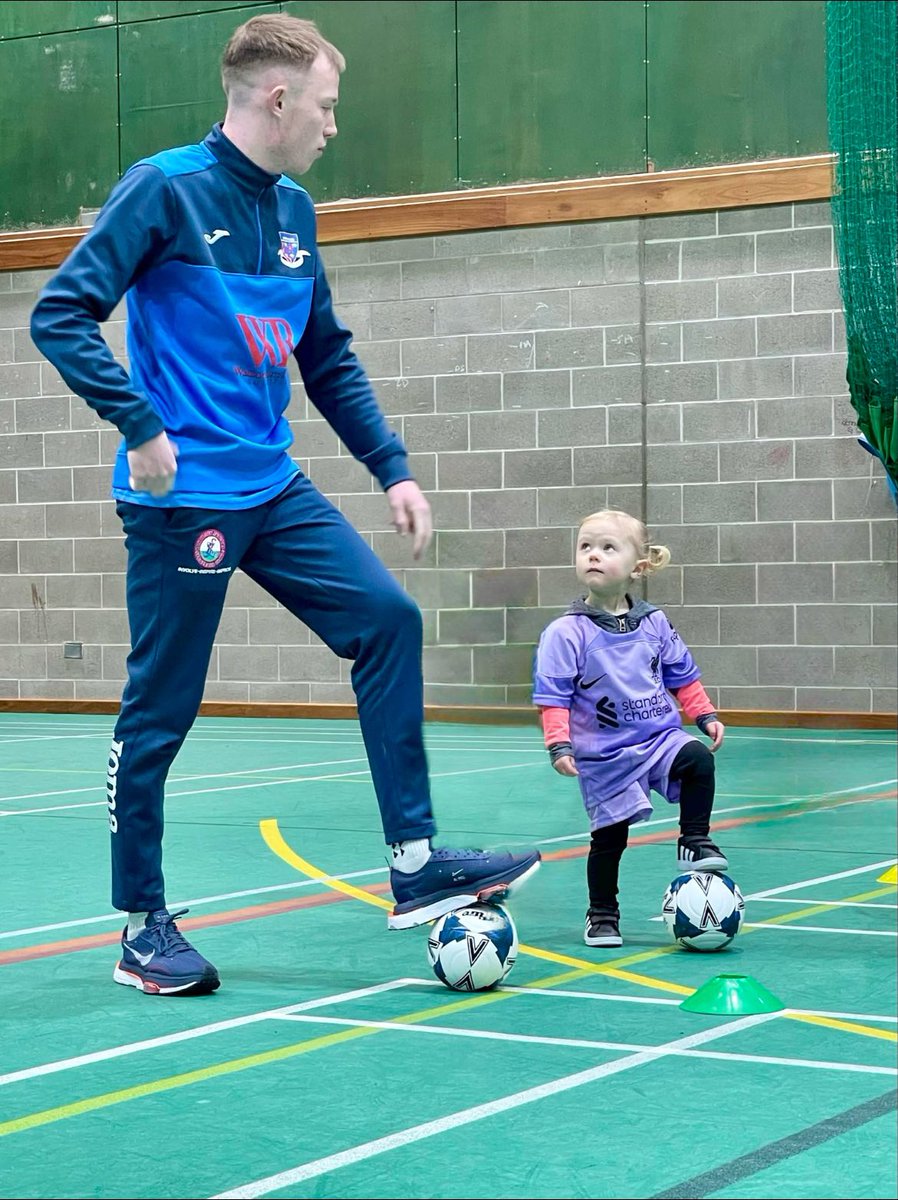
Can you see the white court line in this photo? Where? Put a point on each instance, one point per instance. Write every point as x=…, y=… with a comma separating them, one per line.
x=793, y=887
x=348, y=774
x=822, y=929
x=240, y=787
x=82, y=1060
x=477, y=742
x=197, y=734
x=22, y=739
x=110, y=917
x=261, y=891
x=571, y=995
x=467, y=1116
x=178, y=778
x=433, y=734
x=434, y=730
x=781, y=802
x=524, y=991
x=169, y=1039
x=585, y=1044
x=828, y=903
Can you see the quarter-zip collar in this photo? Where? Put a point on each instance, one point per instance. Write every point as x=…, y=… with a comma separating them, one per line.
x=625, y=623
x=236, y=163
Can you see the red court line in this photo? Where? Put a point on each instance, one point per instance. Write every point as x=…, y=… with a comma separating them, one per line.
x=228, y=917
x=273, y=908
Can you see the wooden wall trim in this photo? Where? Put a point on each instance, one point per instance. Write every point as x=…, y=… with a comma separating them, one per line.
x=735, y=185
x=460, y=714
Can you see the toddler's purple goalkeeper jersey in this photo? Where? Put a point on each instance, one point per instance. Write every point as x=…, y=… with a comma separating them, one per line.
x=615, y=675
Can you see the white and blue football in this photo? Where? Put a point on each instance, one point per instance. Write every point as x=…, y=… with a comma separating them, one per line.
x=473, y=948
x=703, y=910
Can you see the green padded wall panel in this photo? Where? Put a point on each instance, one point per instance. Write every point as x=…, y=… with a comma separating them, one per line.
x=721, y=87
x=397, y=112
x=170, y=86
x=60, y=154
x=149, y=10
x=550, y=91
x=25, y=18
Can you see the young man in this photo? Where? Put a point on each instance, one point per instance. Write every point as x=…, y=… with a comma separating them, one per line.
x=214, y=247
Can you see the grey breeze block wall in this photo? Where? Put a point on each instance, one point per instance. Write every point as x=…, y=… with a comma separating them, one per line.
x=692, y=364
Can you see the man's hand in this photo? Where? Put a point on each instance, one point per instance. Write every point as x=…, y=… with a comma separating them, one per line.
x=152, y=466
x=715, y=731
x=411, y=513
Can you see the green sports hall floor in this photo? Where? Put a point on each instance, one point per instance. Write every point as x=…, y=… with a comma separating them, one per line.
x=332, y=1063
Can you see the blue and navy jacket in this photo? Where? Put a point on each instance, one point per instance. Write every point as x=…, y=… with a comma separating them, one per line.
x=218, y=261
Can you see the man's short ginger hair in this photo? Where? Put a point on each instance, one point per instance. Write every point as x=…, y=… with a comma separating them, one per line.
x=274, y=39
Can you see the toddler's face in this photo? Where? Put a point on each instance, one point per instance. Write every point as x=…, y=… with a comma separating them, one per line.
x=606, y=555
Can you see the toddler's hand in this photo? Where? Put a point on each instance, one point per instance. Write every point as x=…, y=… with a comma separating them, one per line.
x=715, y=731
x=565, y=765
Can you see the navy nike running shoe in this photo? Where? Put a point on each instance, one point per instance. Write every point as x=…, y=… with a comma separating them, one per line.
x=161, y=962
x=451, y=879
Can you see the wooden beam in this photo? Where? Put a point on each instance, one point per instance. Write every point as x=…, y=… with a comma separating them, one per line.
x=459, y=714
x=735, y=185
x=37, y=248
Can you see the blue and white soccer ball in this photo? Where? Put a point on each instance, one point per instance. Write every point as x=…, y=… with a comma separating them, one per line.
x=703, y=910
x=473, y=948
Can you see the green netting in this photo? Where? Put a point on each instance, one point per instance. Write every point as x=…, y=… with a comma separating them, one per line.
x=862, y=103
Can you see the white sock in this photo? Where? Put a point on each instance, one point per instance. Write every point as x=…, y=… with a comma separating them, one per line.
x=136, y=923
x=410, y=856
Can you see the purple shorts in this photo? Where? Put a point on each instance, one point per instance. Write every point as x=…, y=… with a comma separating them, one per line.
x=634, y=803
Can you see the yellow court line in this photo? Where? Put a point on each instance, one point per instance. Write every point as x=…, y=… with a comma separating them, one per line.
x=844, y=1026
x=49, y=1115
x=274, y=839
x=615, y=972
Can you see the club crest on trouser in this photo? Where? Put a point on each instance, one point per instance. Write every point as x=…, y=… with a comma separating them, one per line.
x=209, y=548
x=290, y=253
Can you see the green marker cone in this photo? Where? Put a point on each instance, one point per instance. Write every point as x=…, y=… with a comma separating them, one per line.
x=732, y=996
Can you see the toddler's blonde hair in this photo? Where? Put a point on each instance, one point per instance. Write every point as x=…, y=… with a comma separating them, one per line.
x=656, y=558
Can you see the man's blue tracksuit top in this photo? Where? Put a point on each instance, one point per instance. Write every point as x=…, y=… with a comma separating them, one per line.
x=224, y=282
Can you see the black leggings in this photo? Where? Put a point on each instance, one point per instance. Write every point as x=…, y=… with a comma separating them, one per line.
x=693, y=767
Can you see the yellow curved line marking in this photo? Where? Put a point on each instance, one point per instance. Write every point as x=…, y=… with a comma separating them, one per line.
x=581, y=967
x=274, y=839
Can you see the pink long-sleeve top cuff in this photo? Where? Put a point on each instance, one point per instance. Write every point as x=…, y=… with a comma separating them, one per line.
x=556, y=723
x=694, y=700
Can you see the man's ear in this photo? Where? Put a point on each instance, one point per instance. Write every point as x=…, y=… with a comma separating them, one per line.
x=276, y=99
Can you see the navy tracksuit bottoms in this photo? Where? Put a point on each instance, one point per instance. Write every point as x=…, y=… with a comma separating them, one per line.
x=302, y=551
